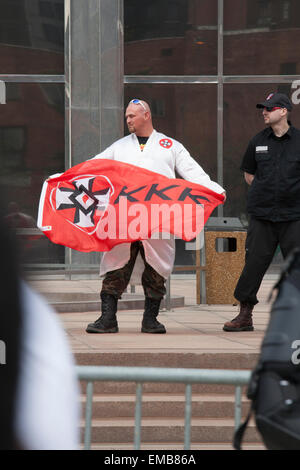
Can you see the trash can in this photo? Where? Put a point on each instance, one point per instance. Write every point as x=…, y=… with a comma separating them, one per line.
x=224, y=259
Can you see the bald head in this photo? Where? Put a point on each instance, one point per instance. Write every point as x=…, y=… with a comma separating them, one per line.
x=146, y=105
x=138, y=118
x=142, y=103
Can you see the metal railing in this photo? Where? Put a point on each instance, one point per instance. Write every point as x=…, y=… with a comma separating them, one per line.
x=140, y=375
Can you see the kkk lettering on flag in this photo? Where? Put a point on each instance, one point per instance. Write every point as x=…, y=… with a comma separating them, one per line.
x=100, y=203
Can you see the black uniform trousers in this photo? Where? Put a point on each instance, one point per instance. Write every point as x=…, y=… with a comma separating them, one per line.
x=115, y=282
x=263, y=237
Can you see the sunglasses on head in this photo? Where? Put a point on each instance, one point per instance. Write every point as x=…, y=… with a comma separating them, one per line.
x=270, y=109
x=137, y=101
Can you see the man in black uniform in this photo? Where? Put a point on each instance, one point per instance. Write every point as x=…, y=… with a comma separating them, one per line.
x=271, y=167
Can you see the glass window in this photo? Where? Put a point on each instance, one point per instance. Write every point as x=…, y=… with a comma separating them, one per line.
x=187, y=113
x=261, y=37
x=12, y=145
x=242, y=121
x=170, y=37
x=32, y=37
x=32, y=147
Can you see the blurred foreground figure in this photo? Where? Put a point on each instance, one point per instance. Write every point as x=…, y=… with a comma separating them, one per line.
x=274, y=387
x=38, y=388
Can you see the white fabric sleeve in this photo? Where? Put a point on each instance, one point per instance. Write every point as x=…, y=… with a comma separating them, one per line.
x=107, y=153
x=47, y=410
x=190, y=170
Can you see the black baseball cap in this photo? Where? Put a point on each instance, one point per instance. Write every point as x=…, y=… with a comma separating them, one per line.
x=276, y=99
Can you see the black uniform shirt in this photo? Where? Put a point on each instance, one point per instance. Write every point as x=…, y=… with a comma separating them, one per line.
x=275, y=161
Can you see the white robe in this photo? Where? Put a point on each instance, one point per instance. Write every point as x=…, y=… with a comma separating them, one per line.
x=160, y=254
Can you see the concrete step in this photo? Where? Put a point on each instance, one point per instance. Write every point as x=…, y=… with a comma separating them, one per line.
x=168, y=358
x=111, y=388
x=165, y=358
x=66, y=302
x=188, y=360
x=161, y=405
x=159, y=430
x=120, y=446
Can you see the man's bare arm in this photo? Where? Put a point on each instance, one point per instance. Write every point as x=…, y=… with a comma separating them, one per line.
x=248, y=178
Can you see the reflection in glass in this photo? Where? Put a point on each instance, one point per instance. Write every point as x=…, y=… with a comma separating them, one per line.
x=31, y=149
x=242, y=121
x=170, y=37
x=186, y=113
x=33, y=246
x=32, y=37
x=261, y=37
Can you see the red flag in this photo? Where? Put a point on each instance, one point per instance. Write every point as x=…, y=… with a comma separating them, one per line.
x=101, y=203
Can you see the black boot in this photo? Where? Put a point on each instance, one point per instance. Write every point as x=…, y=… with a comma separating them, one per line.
x=107, y=323
x=149, y=323
x=243, y=322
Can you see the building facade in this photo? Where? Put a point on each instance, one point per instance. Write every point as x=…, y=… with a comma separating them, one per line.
x=69, y=68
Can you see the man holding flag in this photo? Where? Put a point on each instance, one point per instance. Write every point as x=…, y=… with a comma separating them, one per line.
x=93, y=206
x=150, y=150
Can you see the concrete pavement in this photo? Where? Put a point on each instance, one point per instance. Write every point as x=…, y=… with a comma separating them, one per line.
x=192, y=328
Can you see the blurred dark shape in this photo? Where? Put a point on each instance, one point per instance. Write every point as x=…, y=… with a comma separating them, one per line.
x=16, y=219
x=10, y=334
x=274, y=387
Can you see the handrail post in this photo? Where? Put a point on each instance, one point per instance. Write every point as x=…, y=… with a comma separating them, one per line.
x=138, y=417
x=187, y=416
x=88, y=416
x=237, y=406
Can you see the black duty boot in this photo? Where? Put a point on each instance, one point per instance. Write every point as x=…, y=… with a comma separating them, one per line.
x=149, y=323
x=107, y=323
x=243, y=322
